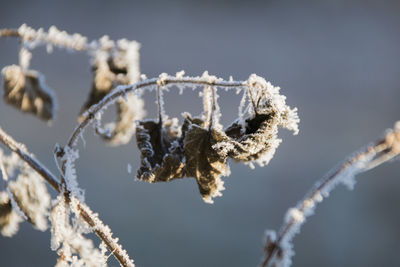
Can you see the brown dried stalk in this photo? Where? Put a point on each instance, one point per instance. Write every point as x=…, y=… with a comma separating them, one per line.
x=278, y=250
x=84, y=211
x=9, y=33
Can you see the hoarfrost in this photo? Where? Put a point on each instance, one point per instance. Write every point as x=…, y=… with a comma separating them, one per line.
x=367, y=158
x=27, y=196
x=203, y=146
x=70, y=156
x=72, y=247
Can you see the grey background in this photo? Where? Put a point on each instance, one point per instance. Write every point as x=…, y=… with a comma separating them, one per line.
x=337, y=61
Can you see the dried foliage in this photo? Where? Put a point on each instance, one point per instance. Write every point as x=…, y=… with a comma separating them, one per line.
x=160, y=151
x=25, y=198
x=9, y=218
x=27, y=91
x=113, y=65
x=199, y=148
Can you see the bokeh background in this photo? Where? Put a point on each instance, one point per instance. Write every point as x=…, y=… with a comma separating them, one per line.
x=338, y=61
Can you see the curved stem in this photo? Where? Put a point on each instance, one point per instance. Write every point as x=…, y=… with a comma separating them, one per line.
x=123, y=90
x=377, y=153
x=90, y=217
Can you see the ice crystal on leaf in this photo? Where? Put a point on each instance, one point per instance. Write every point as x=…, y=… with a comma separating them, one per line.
x=25, y=198
x=32, y=198
x=68, y=240
x=202, y=147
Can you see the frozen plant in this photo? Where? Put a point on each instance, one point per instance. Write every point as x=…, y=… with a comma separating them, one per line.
x=200, y=147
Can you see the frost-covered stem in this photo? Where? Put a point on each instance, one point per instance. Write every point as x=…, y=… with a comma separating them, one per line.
x=84, y=211
x=21, y=150
x=377, y=153
x=160, y=105
x=105, y=234
x=9, y=33
x=213, y=108
x=122, y=90
x=53, y=37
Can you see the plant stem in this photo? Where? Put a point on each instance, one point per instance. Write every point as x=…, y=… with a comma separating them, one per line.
x=379, y=152
x=123, y=90
x=9, y=33
x=84, y=211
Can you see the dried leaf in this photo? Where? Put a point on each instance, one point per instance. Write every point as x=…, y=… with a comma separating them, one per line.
x=161, y=153
x=121, y=131
x=202, y=161
x=203, y=148
x=256, y=140
x=113, y=66
x=31, y=196
x=9, y=219
x=27, y=91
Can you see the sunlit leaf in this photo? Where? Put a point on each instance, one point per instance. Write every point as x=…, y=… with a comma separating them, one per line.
x=27, y=91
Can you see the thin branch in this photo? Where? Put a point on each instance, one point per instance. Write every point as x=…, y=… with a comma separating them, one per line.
x=85, y=212
x=52, y=37
x=21, y=150
x=123, y=90
x=372, y=156
x=9, y=33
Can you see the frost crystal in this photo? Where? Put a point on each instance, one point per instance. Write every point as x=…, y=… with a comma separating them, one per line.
x=32, y=198
x=26, y=198
x=70, y=156
x=202, y=147
x=72, y=247
x=344, y=173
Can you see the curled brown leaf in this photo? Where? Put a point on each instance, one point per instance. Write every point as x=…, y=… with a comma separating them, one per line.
x=161, y=153
x=26, y=90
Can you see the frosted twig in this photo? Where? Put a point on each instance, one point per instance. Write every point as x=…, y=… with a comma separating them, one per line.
x=53, y=37
x=22, y=152
x=9, y=33
x=85, y=212
x=278, y=250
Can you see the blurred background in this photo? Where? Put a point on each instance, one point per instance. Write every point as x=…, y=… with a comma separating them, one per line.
x=337, y=61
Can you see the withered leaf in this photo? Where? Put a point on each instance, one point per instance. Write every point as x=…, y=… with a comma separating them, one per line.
x=27, y=91
x=202, y=161
x=5, y=213
x=251, y=141
x=110, y=69
x=161, y=153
